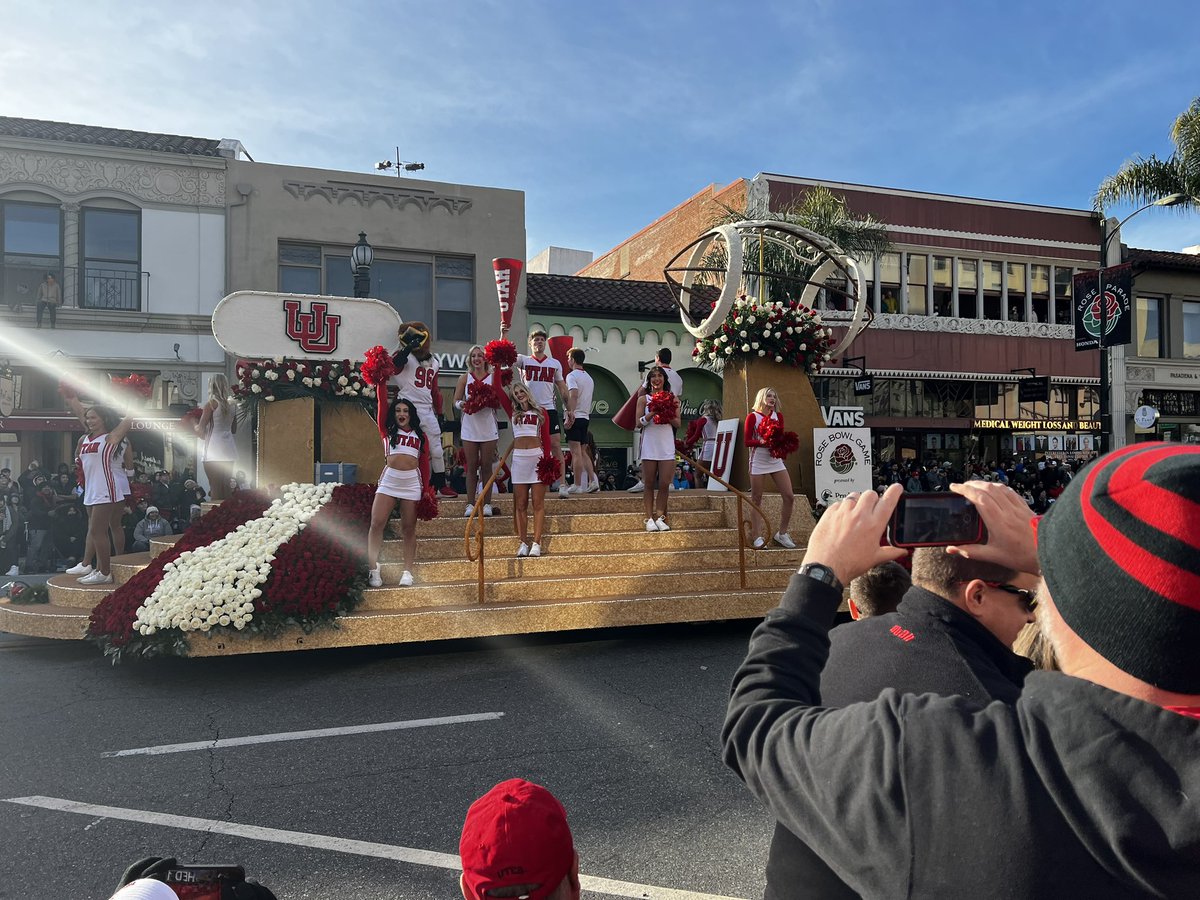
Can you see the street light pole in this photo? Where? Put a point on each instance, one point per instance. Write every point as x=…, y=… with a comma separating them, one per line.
x=361, y=258
x=1102, y=299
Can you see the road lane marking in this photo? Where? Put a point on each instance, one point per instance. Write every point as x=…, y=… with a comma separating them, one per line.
x=222, y=743
x=412, y=855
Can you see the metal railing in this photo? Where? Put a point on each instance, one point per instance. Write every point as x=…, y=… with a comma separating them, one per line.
x=93, y=286
x=476, y=520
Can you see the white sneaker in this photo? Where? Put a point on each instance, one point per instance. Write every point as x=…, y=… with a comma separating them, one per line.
x=406, y=579
x=467, y=510
x=651, y=525
x=487, y=509
x=784, y=540
x=564, y=492
x=523, y=550
x=96, y=577
x=593, y=487
x=758, y=544
x=374, y=578
x=15, y=570
x=574, y=489
x=536, y=549
x=662, y=524
x=637, y=487
x=79, y=569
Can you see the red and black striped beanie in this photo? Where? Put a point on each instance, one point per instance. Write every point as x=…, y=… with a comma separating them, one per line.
x=1120, y=553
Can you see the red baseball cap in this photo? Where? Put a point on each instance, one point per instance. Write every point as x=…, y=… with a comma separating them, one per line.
x=516, y=833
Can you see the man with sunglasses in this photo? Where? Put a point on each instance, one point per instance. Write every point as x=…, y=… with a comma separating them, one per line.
x=952, y=634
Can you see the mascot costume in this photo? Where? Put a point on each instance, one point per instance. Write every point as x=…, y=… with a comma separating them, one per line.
x=416, y=380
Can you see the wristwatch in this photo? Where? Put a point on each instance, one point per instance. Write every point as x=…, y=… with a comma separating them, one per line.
x=821, y=573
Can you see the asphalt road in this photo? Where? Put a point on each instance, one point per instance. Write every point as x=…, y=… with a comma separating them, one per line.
x=623, y=726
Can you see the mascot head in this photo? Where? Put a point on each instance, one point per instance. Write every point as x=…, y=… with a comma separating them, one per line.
x=415, y=335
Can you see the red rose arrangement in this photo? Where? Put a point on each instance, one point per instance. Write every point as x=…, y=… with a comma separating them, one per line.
x=663, y=407
x=502, y=354
x=427, y=506
x=378, y=367
x=482, y=397
x=549, y=470
x=137, y=385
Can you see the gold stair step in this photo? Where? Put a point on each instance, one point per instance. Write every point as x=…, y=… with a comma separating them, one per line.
x=46, y=620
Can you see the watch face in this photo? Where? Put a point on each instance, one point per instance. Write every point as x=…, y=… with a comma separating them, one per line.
x=820, y=572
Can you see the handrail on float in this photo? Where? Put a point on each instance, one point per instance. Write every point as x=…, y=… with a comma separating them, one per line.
x=477, y=519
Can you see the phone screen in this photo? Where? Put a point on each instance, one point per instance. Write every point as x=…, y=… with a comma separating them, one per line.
x=202, y=882
x=934, y=520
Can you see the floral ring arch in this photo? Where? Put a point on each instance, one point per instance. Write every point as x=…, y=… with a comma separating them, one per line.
x=823, y=256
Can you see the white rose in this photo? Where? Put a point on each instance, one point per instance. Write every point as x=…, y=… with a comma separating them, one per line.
x=291, y=374
x=268, y=399
x=778, y=335
x=273, y=375
x=737, y=321
x=741, y=334
x=804, y=346
x=778, y=358
x=724, y=339
x=255, y=373
x=762, y=352
x=754, y=345
x=750, y=319
x=790, y=330
x=278, y=360
x=256, y=389
x=343, y=380
x=745, y=348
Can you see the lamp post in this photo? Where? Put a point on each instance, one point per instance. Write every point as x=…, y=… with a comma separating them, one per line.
x=360, y=261
x=1102, y=298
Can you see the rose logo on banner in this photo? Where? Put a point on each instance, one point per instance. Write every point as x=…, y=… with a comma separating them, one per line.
x=315, y=331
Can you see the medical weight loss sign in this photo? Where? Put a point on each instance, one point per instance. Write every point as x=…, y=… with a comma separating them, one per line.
x=842, y=458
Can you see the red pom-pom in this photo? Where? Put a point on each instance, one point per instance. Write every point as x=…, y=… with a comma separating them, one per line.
x=482, y=397
x=506, y=377
x=784, y=443
x=460, y=458
x=427, y=506
x=549, y=470
x=138, y=385
x=501, y=354
x=682, y=449
x=191, y=419
x=768, y=431
x=378, y=367
x=663, y=406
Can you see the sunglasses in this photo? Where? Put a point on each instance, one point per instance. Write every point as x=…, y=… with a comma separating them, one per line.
x=1028, y=598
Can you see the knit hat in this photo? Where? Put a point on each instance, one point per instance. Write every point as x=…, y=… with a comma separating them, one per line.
x=1120, y=553
x=516, y=833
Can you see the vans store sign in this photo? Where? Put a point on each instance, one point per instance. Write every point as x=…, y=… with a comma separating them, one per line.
x=843, y=416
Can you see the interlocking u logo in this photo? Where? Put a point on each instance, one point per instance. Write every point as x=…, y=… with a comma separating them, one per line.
x=315, y=331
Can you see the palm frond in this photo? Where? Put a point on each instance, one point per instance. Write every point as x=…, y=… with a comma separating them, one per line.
x=1141, y=181
x=1186, y=135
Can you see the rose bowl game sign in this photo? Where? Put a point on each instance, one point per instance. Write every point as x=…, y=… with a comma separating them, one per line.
x=258, y=324
x=842, y=462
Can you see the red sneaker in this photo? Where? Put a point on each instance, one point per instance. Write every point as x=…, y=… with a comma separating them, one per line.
x=448, y=491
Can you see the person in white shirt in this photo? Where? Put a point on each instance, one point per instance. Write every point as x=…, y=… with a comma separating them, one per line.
x=579, y=404
x=662, y=359
x=544, y=376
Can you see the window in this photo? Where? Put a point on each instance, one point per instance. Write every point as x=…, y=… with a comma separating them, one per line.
x=918, y=278
x=32, y=246
x=942, y=280
x=1039, y=280
x=1147, y=327
x=993, y=281
x=1062, y=295
x=299, y=269
x=1191, y=329
x=111, y=259
x=1016, y=290
x=967, y=286
x=889, y=279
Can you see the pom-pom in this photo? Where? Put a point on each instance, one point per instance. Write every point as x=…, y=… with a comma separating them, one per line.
x=427, y=506
x=549, y=470
x=784, y=443
x=378, y=367
x=506, y=377
x=191, y=419
x=135, y=384
x=501, y=354
x=482, y=397
x=460, y=458
x=682, y=449
x=663, y=407
x=768, y=431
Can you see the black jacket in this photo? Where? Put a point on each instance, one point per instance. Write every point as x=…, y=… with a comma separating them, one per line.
x=1073, y=791
x=927, y=646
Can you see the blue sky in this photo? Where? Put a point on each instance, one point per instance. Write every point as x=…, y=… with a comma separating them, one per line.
x=607, y=115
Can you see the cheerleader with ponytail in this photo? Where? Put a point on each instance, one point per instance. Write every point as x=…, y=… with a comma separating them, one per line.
x=404, y=480
x=533, y=465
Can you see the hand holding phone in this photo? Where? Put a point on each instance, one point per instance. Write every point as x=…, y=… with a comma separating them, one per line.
x=935, y=520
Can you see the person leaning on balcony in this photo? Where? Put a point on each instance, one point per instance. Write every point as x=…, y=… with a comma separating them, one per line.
x=49, y=296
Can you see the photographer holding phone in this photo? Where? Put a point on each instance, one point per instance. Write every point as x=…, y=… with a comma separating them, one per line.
x=1085, y=787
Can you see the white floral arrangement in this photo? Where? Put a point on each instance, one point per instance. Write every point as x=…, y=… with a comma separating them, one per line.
x=784, y=332
x=286, y=379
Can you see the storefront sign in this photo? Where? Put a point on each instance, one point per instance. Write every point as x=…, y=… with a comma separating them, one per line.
x=261, y=325
x=1034, y=390
x=842, y=462
x=843, y=416
x=722, y=461
x=1117, y=316
x=1144, y=416
x=1036, y=425
x=865, y=386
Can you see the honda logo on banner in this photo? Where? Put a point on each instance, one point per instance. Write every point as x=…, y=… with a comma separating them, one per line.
x=722, y=461
x=508, y=279
x=316, y=330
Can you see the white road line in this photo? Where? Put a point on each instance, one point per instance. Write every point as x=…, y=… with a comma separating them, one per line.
x=412, y=855
x=222, y=743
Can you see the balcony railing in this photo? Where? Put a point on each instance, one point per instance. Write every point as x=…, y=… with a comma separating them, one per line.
x=93, y=286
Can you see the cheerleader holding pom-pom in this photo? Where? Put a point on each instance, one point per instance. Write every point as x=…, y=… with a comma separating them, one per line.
x=658, y=417
x=769, y=444
x=477, y=396
x=533, y=465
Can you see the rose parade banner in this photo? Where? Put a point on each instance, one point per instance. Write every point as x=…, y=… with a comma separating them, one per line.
x=1118, y=288
x=843, y=462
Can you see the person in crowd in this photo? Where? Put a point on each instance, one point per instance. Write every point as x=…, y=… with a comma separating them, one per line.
x=49, y=299
x=610, y=483
x=416, y=380
x=39, y=556
x=152, y=526
x=69, y=530
x=1032, y=644
x=140, y=488
x=543, y=376
x=679, y=482
x=531, y=442
x=913, y=484
x=657, y=451
x=217, y=427
x=479, y=431
x=25, y=480
x=403, y=481
x=879, y=590
x=5, y=478
x=710, y=411
x=1095, y=774
x=12, y=531
x=580, y=388
x=516, y=843
x=662, y=359
x=193, y=494
x=163, y=494
x=768, y=408
x=105, y=488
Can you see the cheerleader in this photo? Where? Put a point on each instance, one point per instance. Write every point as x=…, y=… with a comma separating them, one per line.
x=767, y=408
x=478, y=430
x=531, y=443
x=403, y=479
x=658, y=452
x=105, y=487
x=217, y=426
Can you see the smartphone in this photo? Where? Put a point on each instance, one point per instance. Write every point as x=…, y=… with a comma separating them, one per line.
x=206, y=882
x=934, y=520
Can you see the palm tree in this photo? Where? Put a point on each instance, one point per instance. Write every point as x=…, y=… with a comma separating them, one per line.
x=1146, y=180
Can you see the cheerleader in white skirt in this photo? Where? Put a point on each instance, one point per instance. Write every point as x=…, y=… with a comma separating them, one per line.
x=402, y=481
x=531, y=442
x=658, y=452
x=478, y=431
x=105, y=486
x=767, y=407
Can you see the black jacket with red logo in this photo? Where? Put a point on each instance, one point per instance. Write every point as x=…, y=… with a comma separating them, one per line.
x=1072, y=791
x=927, y=646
